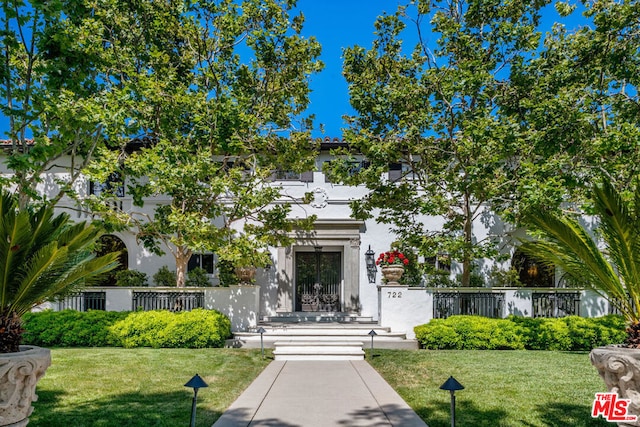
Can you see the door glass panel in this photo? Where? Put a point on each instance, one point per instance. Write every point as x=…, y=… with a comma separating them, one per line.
x=318, y=279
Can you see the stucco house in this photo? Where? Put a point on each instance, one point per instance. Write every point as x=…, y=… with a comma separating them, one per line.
x=329, y=271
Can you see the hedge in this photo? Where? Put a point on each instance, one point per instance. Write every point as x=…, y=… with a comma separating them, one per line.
x=69, y=328
x=570, y=333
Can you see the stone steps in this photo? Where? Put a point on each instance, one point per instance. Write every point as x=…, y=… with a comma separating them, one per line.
x=318, y=350
x=322, y=333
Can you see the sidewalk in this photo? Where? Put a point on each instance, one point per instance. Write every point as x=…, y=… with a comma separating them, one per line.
x=319, y=394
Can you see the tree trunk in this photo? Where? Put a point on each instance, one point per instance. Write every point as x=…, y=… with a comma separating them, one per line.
x=468, y=241
x=182, y=256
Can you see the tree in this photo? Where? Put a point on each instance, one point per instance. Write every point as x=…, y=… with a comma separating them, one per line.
x=43, y=257
x=433, y=110
x=609, y=265
x=56, y=93
x=577, y=106
x=223, y=111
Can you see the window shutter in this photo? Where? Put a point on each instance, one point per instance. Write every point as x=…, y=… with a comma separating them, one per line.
x=306, y=176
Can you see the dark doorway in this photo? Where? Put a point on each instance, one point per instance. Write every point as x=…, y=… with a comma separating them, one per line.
x=318, y=281
x=110, y=243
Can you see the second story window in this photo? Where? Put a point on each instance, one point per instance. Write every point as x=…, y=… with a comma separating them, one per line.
x=114, y=185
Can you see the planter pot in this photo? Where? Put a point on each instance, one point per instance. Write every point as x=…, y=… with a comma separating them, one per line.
x=19, y=373
x=619, y=367
x=245, y=274
x=392, y=273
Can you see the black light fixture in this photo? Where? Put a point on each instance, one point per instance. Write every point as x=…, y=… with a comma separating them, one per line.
x=261, y=331
x=452, y=385
x=195, y=383
x=370, y=261
x=372, y=333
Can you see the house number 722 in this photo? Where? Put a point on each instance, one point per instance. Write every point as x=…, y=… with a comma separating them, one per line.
x=394, y=294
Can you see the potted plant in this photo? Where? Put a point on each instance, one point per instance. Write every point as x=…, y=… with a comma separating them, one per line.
x=43, y=257
x=611, y=267
x=392, y=264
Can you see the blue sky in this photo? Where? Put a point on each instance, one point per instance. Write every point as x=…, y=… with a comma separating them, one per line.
x=342, y=23
x=337, y=24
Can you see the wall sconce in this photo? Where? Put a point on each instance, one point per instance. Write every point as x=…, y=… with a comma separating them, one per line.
x=370, y=260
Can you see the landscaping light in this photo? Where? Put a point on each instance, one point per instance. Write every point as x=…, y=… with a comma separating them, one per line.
x=370, y=261
x=261, y=331
x=372, y=333
x=195, y=383
x=452, y=385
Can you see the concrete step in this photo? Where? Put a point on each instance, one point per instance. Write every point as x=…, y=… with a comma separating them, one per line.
x=318, y=317
x=322, y=333
x=315, y=350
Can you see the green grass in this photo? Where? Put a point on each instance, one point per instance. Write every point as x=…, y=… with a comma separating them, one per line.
x=145, y=387
x=140, y=387
x=502, y=388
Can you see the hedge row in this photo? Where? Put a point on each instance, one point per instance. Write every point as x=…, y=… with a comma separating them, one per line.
x=570, y=333
x=69, y=328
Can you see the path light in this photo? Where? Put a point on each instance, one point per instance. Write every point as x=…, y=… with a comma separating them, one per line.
x=370, y=261
x=195, y=383
x=372, y=333
x=261, y=331
x=452, y=385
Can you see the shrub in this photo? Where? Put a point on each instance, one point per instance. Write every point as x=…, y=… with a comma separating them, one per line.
x=570, y=333
x=165, y=277
x=191, y=329
x=198, y=277
x=70, y=328
x=470, y=333
x=131, y=278
x=227, y=274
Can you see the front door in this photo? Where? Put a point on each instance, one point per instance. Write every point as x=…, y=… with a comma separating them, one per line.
x=318, y=279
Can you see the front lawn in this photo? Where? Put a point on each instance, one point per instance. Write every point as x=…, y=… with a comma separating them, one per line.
x=502, y=388
x=145, y=387
x=140, y=387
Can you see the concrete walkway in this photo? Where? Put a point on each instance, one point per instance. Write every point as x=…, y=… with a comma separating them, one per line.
x=319, y=394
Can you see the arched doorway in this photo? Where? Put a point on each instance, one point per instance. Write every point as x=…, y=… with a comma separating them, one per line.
x=109, y=243
x=531, y=272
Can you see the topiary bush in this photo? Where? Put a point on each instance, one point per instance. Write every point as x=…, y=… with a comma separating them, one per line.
x=190, y=329
x=71, y=328
x=198, y=277
x=570, y=333
x=165, y=277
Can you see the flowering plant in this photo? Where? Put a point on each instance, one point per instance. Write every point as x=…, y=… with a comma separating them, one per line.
x=393, y=257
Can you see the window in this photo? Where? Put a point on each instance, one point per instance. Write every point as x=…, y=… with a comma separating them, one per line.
x=205, y=261
x=354, y=168
x=395, y=172
x=114, y=184
x=282, y=175
x=531, y=272
x=441, y=262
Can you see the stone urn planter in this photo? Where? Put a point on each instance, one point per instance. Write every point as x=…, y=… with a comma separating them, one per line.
x=19, y=374
x=245, y=274
x=392, y=273
x=619, y=367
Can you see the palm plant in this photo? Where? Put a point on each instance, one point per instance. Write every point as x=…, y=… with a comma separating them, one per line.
x=611, y=267
x=42, y=257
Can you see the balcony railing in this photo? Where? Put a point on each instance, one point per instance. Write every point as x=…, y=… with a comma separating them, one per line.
x=84, y=301
x=167, y=300
x=555, y=303
x=449, y=303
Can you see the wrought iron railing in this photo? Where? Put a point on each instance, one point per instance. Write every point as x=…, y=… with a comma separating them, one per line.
x=83, y=301
x=167, y=300
x=488, y=304
x=555, y=303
